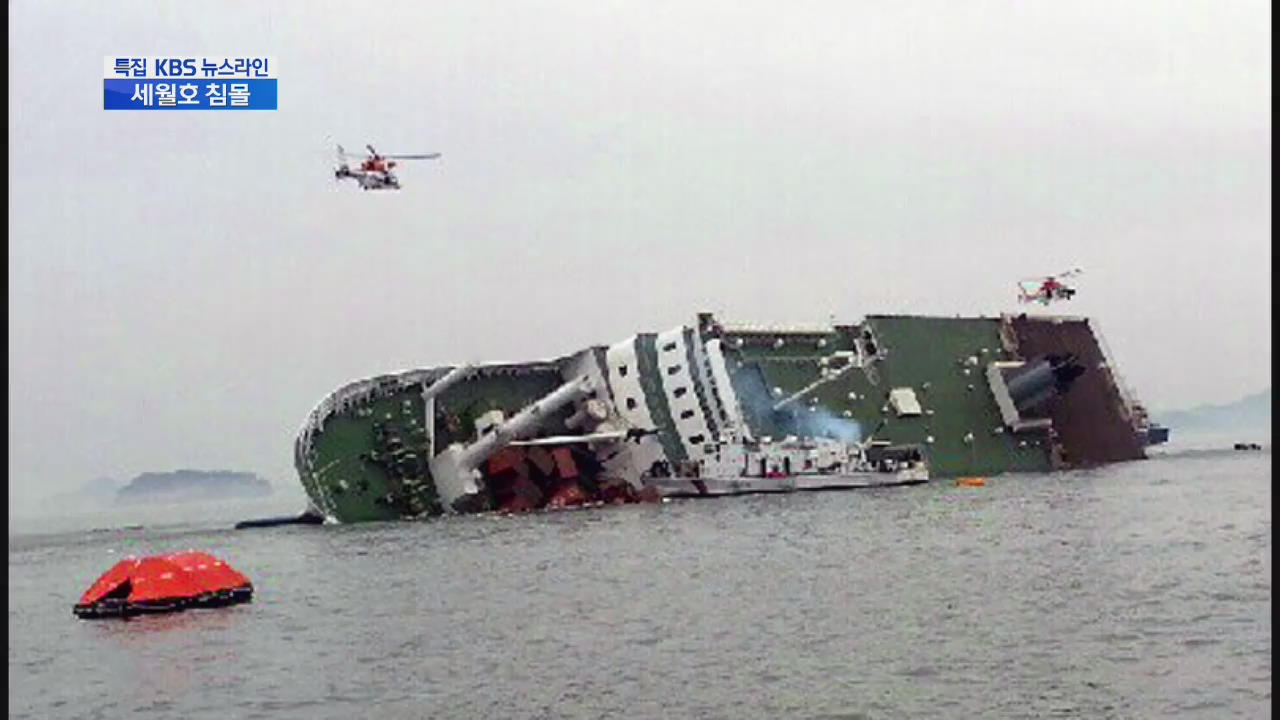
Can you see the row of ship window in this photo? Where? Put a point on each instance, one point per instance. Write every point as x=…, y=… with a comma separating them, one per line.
x=622, y=370
x=678, y=392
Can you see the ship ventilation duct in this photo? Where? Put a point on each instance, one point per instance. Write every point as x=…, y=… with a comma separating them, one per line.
x=1037, y=382
x=455, y=469
x=1023, y=389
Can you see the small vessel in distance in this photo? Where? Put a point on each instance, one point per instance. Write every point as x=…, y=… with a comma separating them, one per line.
x=740, y=466
x=306, y=518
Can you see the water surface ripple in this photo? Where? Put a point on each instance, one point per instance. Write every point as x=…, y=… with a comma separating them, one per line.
x=1137, y=591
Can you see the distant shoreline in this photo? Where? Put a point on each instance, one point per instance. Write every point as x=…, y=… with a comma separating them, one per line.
x=192, y=486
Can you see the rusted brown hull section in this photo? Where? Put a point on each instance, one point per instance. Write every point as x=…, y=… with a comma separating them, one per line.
x=1092, y=421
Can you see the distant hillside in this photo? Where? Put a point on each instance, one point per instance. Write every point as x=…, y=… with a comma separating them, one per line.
x=1252, y=412
x=192, y=486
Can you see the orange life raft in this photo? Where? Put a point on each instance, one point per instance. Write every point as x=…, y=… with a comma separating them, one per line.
x=163, y=583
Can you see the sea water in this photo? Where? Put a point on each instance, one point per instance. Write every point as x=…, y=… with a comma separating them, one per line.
x=1140, y=590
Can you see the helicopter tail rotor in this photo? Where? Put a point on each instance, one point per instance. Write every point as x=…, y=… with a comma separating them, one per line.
x=342, y=170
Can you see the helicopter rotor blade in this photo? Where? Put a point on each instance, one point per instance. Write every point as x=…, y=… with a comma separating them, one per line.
x=1066, y=274
x=426, y=156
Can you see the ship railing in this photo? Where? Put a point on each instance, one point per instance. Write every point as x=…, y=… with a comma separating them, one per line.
x=762, y=329
x=1008, y=338
x=1132, y=408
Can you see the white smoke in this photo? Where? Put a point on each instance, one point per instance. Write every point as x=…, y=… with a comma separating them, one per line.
x=819, y=421
x=797, y=417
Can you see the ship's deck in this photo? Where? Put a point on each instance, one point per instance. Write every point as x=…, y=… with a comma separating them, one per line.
x=916, y=351
x=935, y=351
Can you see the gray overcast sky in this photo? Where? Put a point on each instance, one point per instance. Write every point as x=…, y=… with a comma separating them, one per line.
x=183, y=287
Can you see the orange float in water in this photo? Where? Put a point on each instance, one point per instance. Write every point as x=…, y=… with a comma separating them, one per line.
x=971, y=482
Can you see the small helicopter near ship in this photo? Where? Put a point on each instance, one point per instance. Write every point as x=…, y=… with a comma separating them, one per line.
x=375, y=170
x=1047, y=289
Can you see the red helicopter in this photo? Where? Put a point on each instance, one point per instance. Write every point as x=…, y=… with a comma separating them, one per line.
x=374, y=171
x=1047, y=289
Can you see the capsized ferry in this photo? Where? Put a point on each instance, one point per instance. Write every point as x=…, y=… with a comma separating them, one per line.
x=704, y=404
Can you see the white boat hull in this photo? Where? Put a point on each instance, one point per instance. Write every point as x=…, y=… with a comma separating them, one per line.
x=712, y=486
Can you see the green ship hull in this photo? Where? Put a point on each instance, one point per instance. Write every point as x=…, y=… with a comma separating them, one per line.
x=979, y=396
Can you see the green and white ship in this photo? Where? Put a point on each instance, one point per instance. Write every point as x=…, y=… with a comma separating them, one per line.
x=891, y=398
